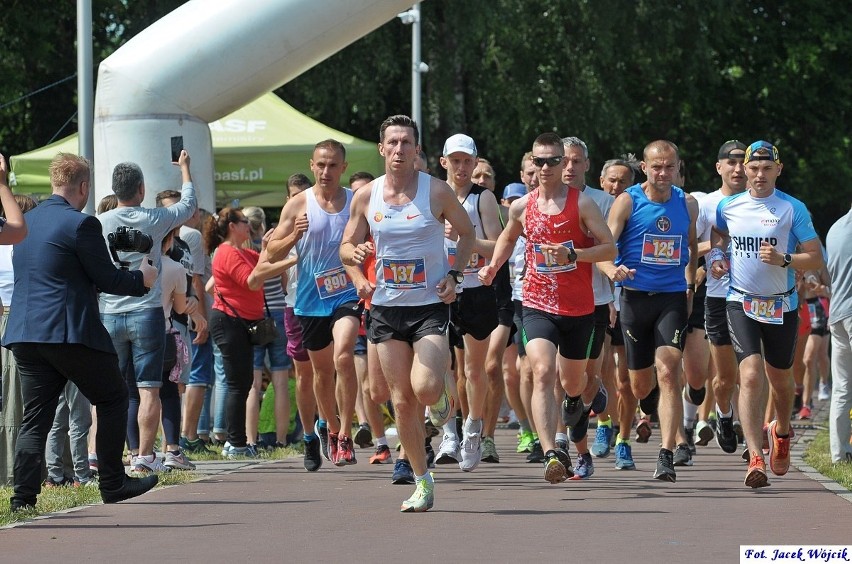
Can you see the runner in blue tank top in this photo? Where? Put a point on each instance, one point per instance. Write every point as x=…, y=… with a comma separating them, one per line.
x=404, y=211
x=764, y=228
x=326, y=306
x=653, y=224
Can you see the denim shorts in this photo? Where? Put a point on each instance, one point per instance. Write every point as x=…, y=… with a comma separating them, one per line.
x=277, y=349
x=139, y=338
x=201, y=374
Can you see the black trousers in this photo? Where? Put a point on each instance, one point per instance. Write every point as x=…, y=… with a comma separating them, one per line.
x=232, y=338
x=45, y=369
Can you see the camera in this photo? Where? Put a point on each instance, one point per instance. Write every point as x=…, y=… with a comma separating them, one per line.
x=126, y=239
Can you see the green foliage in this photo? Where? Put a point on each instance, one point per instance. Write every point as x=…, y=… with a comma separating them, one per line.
x=617, y=74
x=817, y=454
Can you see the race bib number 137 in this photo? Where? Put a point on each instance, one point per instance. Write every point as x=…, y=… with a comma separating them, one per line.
x=404, y=274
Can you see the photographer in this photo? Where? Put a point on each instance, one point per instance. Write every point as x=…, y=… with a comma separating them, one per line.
x=56, y=336
x=136, y=324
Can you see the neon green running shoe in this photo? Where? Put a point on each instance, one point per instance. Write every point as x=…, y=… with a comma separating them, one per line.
x=422, y=499
x=525, y=441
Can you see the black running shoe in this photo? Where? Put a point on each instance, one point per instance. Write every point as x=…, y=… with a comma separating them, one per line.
x=665, y=466
x=572, y=411
x=648, y=404
x=364, y=436
x=690, y=439
x=682, y=456
x=322, y=433
x=726, y=437
x=313, y=459
x=537, y=454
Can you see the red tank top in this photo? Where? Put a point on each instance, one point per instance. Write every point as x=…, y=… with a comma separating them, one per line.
x=558, y=289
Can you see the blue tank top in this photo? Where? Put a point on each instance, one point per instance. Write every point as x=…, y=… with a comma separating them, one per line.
x=323, y=284
x=655, y=242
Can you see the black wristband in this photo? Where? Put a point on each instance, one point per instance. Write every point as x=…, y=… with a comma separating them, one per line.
x=690, y=287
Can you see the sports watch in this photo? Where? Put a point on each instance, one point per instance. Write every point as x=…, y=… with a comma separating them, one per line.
x=456, y=275
x=788, y=258
x=572, y=254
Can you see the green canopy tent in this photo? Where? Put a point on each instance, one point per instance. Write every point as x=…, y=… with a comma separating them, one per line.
x=255, y=150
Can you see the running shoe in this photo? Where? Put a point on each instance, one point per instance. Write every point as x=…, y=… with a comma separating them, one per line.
x=804, y=413
x=334, y=449
x=726, y=437
x=345, y=451
x=471, y=447
x=756, y=475
x=824, y=392
x=431, y=430
x=178, y=461
x=704, y=432
x=682, y=456
x=565, y=459
x=738, y=429
x=198, y=446
x=50, y=483
x=584, y=468
x=93, y=464
x=248, y=451
x=572, y=411
x=382, y=456
x=313, y=458
x=441, y=411
x=649, y=403
x=643, y=430
x=665, y=466
x=143, y=465
x=363, y=436
x=402, y=472
x=600, y=400
x=448, y=451
x=554, y=470
x=525, y=441
x=322, y=433
x=489, y=451
x=423, y=498
x=537, y=453
x=560, y=444
x=603, y=435
x=579, y=431
x=779, y=450
x=624, y=457
x=690, y=439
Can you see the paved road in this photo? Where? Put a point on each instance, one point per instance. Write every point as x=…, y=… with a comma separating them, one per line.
x=275, y=511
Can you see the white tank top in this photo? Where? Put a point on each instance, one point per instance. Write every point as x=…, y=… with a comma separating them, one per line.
x=470, y=269
x=409, y=242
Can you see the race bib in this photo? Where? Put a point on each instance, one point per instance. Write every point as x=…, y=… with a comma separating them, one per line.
x=473, y=265
x=661, y=249
x=545, y=263
x=331, y=282
x=404, y=274
x=766, y=309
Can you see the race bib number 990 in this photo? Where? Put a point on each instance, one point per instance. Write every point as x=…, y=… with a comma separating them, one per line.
x=766, y=309
x=661, y=249
x=545, y=263
x=331, y=282
x=404, y=274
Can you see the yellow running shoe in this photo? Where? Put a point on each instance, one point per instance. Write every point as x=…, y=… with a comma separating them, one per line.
x=422, y=499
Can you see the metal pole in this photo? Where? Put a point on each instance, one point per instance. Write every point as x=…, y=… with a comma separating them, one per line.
x=416, y=111
x=86, y=91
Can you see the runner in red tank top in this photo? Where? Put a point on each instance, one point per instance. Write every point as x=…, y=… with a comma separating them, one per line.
x=558, y=300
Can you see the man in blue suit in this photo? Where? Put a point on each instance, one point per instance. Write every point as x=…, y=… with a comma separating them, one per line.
x=55, y=331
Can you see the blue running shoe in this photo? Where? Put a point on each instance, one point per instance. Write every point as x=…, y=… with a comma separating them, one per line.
x=624, y=457
x=584, y=468
x=402, y=472
x=603, y=436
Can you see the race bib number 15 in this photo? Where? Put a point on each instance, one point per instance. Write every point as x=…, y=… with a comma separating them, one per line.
x=545, y=263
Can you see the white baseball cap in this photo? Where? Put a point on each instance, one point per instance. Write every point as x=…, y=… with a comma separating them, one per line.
x=460, y=143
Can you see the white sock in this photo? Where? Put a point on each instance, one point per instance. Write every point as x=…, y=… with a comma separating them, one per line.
x=381, y=441
x=690, y=414
x=561, y=437
x=428, y=478
x=730, y=412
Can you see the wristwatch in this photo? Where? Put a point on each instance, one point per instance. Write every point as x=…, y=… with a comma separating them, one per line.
x=788, y=258
x=456, y=275
x=572, y=254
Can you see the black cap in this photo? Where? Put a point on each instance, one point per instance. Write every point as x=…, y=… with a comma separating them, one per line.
x=728, y=146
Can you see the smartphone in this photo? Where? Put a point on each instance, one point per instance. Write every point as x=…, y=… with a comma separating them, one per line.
x=177, y=147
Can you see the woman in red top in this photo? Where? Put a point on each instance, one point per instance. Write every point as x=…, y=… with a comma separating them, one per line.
x=238, y=301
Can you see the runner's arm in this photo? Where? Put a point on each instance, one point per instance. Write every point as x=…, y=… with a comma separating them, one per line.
x=506, y=241
x=291, y=227
x=619, y=215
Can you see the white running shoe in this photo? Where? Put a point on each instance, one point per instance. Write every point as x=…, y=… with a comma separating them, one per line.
x=448, y=452
x=178, y=461
x=143, y=465
x=471, y=447
x=440, y=412
x=824, y=392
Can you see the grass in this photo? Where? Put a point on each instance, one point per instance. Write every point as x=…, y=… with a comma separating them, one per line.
x=817, y=455
x=58, y=499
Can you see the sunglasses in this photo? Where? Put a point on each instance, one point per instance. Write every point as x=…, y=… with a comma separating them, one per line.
x=241, y=221
x=549, y=161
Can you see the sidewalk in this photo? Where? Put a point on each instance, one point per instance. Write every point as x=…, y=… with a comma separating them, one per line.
x=275, y=511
